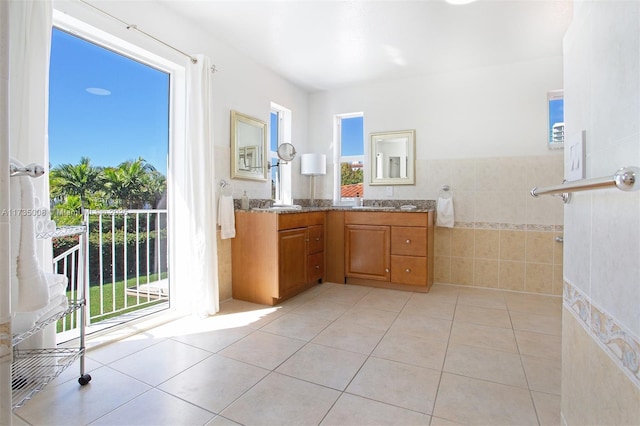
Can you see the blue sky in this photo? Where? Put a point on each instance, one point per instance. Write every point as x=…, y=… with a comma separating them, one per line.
x=130, y=122
x=352, y=136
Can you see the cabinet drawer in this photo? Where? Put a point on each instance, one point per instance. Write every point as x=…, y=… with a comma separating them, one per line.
x=409, y=270
x=316, y=239
x=315, y=267
x=407, y=241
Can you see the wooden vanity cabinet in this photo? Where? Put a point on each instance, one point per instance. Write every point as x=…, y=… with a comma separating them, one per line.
x=389, y=249
x=276, y=256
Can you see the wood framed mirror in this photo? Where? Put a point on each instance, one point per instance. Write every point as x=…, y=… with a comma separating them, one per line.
x=248, y=147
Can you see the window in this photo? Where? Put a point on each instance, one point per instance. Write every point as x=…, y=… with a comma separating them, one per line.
x=350, y=145
x=279, y=133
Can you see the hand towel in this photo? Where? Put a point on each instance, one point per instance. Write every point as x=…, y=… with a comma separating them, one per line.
x=444, y=212
x=226, y=217
x=33, y=291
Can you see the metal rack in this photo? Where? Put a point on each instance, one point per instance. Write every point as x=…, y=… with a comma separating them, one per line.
x=33, y=369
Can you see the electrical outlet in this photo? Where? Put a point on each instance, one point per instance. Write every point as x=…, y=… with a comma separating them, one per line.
x=389, y=192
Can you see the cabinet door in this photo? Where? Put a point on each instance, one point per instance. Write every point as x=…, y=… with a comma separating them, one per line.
x=316, y=238
x=292, y=260
x=315, y=267
x=367, y=252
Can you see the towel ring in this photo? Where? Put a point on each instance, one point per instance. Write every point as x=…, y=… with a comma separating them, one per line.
x=225, y=187
x=445, y=192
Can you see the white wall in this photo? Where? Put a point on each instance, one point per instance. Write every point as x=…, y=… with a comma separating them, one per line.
x=240, y=84
x=498, y=111
x=601, y=334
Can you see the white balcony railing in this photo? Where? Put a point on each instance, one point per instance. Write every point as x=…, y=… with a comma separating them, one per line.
x=126, y=266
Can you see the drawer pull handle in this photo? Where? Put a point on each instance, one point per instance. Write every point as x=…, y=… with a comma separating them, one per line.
x=407, y=270
x=317, y=238
x=317, y=266
x=408, y=241
x=386, y=269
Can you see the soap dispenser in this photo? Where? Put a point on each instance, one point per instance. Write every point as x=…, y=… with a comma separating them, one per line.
x=244, y=201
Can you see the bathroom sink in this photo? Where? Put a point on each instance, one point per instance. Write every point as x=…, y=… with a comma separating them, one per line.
x=292, y=207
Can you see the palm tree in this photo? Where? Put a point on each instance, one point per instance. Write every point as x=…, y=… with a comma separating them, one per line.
x=126, y=183
x=80, y=179
x=155, y=188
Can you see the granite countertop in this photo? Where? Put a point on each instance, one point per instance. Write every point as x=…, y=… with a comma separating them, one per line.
x=392, y=209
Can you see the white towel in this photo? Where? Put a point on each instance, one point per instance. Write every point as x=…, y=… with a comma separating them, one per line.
x=32, y=288
x=226, y=217
x=444, y=212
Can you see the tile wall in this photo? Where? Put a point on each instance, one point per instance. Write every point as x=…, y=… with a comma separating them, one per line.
x=503, y=237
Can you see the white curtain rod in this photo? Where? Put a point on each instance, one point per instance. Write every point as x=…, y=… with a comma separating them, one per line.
x=128, y=26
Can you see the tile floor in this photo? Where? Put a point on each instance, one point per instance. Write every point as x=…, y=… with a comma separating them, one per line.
x=334, y=355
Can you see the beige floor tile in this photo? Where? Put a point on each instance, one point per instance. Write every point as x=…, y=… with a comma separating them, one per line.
x=349, y=337
x=323, y=365
x=155, y=408
x=422, y=326
x=385, y=300
x=487, y=364
x=548, y=408
x=157, y=363
x=543, y=374
x=354, y=410
x=369, y=317
x=262, y=349
x=282, y=400
x=534, y=303
x=345, y=294
x=425, y=304
x=215, y=340
x=485, y=316
x=478, y=402
x=222, y=421
x=17, y=421
x=108, y=390
x=483, y=336
x=537, y=323
x=414, y=350
x=120, y=349
x=481, y=297
x=321, y=309
x=214, y=383
x=539, y=344
x=301, y=327
x=444, y=293
x=413, y=387
x=437, y=421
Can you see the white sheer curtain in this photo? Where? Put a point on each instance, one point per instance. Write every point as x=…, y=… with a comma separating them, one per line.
x=26, y=44
x=194, y=254
x=30, y=41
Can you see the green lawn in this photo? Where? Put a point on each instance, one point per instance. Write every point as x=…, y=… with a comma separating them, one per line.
x=108, y=310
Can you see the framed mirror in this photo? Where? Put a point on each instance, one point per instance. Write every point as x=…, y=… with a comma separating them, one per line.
x=393, y=158
x=248, y=147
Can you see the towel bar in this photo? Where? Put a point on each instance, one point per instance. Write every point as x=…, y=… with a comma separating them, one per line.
x=624, y=179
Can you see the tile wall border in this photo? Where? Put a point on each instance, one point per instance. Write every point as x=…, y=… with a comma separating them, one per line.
x=509, y=226
x=621, y=345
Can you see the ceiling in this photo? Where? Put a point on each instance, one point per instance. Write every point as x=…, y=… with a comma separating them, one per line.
x=326, y=44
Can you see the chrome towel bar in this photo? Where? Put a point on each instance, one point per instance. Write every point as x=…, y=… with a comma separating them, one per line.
x=624, y=179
